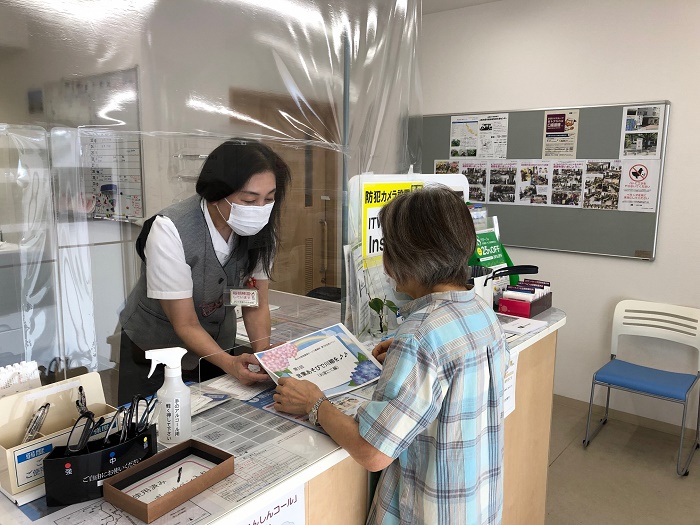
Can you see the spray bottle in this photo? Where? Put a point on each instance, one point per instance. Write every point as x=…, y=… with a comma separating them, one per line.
x=174, y=418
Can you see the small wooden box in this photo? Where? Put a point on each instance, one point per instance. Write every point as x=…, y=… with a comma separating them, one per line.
x=148, y=512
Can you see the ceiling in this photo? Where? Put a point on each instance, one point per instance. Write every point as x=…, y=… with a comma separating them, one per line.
x=437, y=6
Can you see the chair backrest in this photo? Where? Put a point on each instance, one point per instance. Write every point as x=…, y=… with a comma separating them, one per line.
x=679, y=324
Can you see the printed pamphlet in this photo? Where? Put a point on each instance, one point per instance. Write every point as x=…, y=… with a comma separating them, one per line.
x=332, y=358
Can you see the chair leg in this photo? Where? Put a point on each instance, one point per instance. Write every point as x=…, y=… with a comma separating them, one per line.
x=696, y=442
x=589, y=435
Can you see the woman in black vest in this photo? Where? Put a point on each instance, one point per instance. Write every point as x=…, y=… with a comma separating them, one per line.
x=193, y=251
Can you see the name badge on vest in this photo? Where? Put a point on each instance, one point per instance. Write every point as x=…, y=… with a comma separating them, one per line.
x=247, y=297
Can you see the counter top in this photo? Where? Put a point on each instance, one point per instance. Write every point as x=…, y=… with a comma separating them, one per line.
x=273, y=455
x=555, y=320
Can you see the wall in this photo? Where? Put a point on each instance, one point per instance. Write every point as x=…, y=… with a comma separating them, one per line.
x=526, y=54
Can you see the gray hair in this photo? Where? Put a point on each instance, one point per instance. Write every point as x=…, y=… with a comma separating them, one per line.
x=428, y=237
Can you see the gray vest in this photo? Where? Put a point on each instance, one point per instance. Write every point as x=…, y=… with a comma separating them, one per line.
x=144, y=320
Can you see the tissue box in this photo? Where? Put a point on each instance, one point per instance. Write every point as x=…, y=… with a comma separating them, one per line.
x=523, y=308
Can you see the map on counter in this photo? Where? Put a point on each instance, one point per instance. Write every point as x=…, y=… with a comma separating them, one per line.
x=331, y=358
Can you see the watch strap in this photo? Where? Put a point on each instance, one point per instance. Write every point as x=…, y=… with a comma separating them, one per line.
x=313, y=415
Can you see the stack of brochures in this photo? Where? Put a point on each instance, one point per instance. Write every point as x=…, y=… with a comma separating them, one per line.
x=528, y=290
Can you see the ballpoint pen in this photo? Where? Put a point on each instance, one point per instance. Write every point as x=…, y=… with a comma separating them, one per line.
x=81, y=402
x=36, y=422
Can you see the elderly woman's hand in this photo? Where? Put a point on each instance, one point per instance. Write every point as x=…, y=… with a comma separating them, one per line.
x=379, y=351
x=296, y=397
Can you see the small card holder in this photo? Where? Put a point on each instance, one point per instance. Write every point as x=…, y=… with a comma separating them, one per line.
x=75, y=478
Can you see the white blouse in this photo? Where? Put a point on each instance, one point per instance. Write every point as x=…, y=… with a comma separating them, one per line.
x=167, y=274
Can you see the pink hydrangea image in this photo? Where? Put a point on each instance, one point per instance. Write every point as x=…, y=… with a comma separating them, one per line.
x=277, y=359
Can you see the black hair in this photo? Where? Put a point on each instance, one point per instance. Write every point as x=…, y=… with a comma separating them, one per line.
x=227, y=169
x=428, y=237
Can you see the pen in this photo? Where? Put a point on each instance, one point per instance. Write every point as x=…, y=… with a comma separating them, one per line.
x=36, y=422
x=81, y=402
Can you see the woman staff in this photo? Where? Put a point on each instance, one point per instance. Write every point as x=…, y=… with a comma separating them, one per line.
x=223, y=237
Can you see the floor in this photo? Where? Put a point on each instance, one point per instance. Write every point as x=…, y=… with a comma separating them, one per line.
x=627, y=475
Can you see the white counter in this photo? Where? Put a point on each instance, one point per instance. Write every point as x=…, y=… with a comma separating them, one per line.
x=315, y=454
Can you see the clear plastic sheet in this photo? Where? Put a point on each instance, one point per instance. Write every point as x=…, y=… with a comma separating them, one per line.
x=28, y=250
x=112, y=107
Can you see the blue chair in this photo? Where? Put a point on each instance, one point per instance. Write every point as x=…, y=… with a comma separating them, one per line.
x=678, y=324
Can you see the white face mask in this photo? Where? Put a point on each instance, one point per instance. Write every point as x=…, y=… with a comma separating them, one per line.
x=247, y=220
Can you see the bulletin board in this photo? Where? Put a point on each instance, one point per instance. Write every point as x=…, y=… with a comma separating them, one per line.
x=583, y=179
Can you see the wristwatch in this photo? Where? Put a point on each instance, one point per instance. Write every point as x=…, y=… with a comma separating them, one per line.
x=313, y=415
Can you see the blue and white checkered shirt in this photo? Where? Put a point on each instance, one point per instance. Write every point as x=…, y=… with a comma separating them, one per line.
x=438, y=409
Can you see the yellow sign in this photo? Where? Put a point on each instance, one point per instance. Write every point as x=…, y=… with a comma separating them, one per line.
x=374, y=196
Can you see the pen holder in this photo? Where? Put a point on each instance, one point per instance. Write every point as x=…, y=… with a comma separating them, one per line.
x=74, y=478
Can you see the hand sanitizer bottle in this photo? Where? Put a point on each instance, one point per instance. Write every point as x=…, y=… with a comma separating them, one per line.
x=175, y=416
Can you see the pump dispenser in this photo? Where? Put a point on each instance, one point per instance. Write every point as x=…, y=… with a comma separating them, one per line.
x=175, y=416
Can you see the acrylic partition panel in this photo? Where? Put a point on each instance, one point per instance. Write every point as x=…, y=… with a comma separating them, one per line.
x=372, y=299
x=129, y=111
x=30, y=326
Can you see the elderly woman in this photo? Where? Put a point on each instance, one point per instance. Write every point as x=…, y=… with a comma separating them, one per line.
x=435, y=424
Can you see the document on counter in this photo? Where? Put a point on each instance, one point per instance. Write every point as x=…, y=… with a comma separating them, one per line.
x=232, y=386
x=205, y=397
x=520, y=325
x=348, y=403
x=331, y=358
x=99, y=512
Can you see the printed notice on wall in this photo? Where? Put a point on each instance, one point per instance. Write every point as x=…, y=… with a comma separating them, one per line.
x=502, y=181
x=567, y=182
x=480, y=136
x=560, y=134
x=642, y=127
x=639, y=185
x=475, y=171
x=602, y=184
x=534, y=182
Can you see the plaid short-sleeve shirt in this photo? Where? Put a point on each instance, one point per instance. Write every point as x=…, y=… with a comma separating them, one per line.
x=438, y=409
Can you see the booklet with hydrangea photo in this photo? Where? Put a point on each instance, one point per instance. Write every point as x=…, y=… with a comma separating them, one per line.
x=331, y=358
